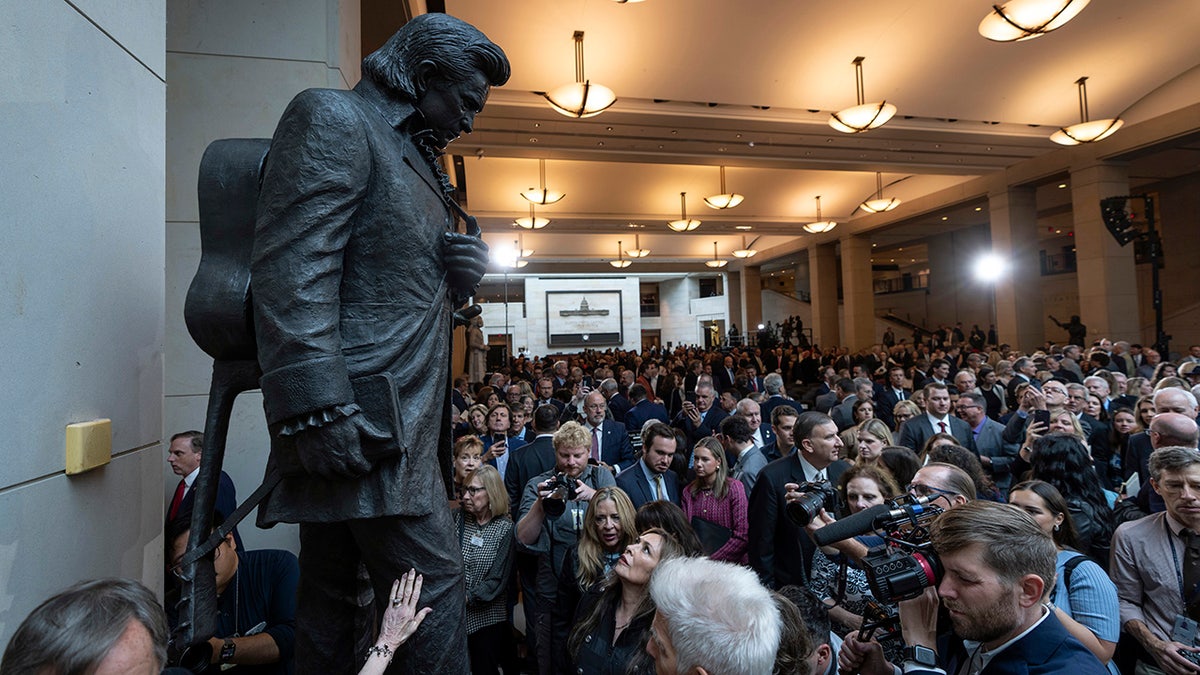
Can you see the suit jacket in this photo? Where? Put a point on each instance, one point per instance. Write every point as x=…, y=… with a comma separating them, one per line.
x=722, y=378
x=533, y=459
x=710, y=422
x=651, y=395
x=615, y=447
x=226, y=502
x=458, y=401
x=824, y=402
x=885, y=401
x=768, y=406
x=351, y=304
x=990, y=443
x=756, y=384
x=918, y=430
x=843, y=413
x=767, y=433
x=618, y=405
x=1047, y=650
x=633, y=482
x=780, y=552
x=645, y=410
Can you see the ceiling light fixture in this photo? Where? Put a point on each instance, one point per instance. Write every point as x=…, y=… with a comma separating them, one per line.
x=532, y=222
x=1087, y=131
x=684, y=224
x=745, y=251
x=637, y=251
x=863, y=116
x=620, y=262
x=725, y=200
x=879, y=204
x=542, y=195
x=581, y=98
x=521, y=250
x=821, y=225
x=1018, y=20
x=716, y=262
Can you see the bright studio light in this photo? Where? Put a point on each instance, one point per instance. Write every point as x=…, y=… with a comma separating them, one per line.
x=990, y=267
x=505, y=256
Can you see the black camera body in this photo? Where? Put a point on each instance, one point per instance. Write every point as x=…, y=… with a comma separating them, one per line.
x=562, y=488
x=906, y=565
x=814, y=496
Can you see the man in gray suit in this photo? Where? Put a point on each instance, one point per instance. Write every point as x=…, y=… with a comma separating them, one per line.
x=995, y=455
x=843, y=413
x=356, y=269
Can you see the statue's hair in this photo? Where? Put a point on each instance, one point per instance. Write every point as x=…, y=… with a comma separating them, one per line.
x=456, y=48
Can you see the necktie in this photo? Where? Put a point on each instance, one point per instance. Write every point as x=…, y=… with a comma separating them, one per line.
x=596, y=444
x=820, y=477
x=942, y=426
x=660, y=488
x=176, y=500
x=1191, y=571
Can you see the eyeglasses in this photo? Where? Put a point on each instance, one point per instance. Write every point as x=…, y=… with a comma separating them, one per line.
x=921, y=490
x=473, y=490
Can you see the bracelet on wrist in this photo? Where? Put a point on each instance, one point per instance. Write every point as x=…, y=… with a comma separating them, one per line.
x=380, y=650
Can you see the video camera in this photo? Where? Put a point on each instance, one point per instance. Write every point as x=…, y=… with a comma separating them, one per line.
x=562, y=488
x=905, y=564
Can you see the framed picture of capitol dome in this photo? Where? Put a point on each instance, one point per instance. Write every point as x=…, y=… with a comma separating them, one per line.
x=583, y=319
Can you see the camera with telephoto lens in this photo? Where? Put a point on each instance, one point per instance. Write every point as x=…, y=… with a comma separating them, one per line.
x=814, y=496
x=904, y=566
x=562, y=488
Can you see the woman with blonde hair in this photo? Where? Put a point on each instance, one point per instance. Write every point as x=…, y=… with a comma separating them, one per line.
x=904, y=411
x=871, y=437
x=717, y=499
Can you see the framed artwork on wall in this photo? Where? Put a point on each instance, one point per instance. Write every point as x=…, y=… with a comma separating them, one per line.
x=584, y=319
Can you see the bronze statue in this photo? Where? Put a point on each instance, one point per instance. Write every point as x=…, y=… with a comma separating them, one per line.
x=356, y=271
x=1076, y=331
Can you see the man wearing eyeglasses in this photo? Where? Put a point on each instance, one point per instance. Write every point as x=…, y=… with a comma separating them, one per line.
x=256, y=602
x=1052, y=397
x=995, y=455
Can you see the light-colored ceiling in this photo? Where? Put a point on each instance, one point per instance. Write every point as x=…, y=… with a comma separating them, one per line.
x=749, y=84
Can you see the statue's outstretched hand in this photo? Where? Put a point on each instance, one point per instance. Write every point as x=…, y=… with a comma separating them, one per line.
x=466, y=260
x=334, y=450
x=463, y=316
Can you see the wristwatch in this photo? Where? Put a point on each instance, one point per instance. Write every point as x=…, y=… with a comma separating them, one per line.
x=920, y=655
x=227, y=650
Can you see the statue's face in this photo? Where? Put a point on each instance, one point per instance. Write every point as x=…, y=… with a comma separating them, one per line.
x=450, y=107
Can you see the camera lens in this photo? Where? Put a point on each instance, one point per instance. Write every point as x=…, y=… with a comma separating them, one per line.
x=803, y=510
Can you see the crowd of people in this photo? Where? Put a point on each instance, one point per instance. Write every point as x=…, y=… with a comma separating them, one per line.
x=659, y=512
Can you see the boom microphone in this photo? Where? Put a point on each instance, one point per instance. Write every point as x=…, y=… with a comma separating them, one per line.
x=850, y=526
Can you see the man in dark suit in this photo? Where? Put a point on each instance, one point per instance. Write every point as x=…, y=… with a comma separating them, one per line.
x=776, y=396
x=760, y=432
x=783, y=424
x=533, y=458
x=889, y=394
x=997, y=606
x=184, y=455
x=458, y=396
x=356, y=269
x=724, y=376
x=643, y=409
x=936, y=420
x=780, y=551
x=651, y=479
x=610, y=442
x=545, y=394
x=702, y=418
x=618, y=405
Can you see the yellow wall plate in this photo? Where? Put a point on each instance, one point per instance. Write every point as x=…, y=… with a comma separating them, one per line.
x=89, y=445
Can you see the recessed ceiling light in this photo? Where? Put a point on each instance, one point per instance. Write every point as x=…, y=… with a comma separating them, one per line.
x=1062, y=186
x=978, y=208
x=743, y=227
x=945, y=217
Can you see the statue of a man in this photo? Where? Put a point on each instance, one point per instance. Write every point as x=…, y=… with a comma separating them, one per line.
x=357, y=268
x=477, y=348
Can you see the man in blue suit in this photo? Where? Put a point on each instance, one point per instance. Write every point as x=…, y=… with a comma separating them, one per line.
x=184, y=456
x=936, y=420
x=998, y=564
x=610, y=442
x=643, y=410
x=651, y=478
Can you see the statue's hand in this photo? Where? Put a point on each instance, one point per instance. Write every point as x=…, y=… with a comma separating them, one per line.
x=466, y=260
x=334, y=451
x=463, y=316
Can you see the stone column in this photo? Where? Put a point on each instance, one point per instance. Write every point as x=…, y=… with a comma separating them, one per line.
x=751, y=299
x=858, y=293
x=1108, y=293
x=823, y=278
x=1018, y=294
